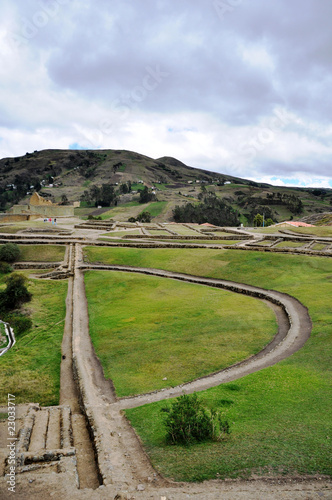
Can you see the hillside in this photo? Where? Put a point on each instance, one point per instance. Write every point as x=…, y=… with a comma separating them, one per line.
x=60, y=174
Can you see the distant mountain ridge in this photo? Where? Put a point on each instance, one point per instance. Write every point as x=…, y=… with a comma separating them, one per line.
x=67, y=174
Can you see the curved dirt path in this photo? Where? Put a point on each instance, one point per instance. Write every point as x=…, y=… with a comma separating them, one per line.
x=294, y=328
x=121, y=458
x=123, y=464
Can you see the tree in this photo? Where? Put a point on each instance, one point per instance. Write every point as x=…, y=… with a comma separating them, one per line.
x=144, y=217
x=188, y=421
x=16, y=292
x=10, y=252
x=212, y=209
x=64, y=200
x=258, y=220
x=145, y=195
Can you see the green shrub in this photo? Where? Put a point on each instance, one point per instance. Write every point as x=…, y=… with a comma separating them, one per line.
x=15, y=294
x=188, y=421
x=144, y=217
x=5, y=268
x=92, y=217
x=10, y=252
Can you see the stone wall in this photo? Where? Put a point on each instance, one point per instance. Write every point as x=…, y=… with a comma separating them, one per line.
x=17, y=217
x=52, y=210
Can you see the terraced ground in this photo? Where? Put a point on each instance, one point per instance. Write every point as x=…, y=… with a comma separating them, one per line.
x=283, y=443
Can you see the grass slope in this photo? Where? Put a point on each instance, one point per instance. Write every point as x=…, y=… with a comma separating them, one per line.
x=281, y=417
x=31, y=369
x=146, y=328
x=42, y=253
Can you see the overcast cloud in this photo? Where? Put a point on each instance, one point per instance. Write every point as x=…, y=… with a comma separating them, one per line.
x=235, y=86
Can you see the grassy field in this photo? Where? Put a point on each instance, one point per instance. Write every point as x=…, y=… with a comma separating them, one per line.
x=131, y=232
x=125, y=211
x=289, y=244
x=157, y=232
x=156, y=208
x=280, y=417
x=318, y=246
x=183, y=230
x=10, y=229
x=316, y=231
x=42, y=253
x=31, y=369
x=264, y=243
x=19, y=226
x=170, y=329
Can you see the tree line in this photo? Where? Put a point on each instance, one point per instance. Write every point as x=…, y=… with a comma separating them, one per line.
x=211, y=209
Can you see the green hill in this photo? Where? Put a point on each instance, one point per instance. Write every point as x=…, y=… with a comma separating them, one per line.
x=66, y=174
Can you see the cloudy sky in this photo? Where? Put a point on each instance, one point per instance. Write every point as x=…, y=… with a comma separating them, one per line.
x=242, y=87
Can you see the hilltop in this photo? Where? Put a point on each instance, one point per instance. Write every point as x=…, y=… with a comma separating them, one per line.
x=65, y=175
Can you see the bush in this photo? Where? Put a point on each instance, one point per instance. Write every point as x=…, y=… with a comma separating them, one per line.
x=144, y=217
x=92, y=217
x=10, y=252
x=188, y=421
x=15, y=294
x=5, y=268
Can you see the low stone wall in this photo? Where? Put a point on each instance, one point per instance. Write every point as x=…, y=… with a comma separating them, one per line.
x=181, y=237
x=17, y=217
x=36, y=265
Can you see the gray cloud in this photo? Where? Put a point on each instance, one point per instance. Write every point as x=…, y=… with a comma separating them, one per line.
x=236, y=67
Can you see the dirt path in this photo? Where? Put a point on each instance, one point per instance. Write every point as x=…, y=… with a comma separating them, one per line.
x=123, y=465
x=122, y=462
x=293, y=331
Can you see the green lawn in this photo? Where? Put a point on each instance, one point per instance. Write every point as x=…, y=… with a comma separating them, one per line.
x=281, y=416
x=318, y=246
x=31, y=369
x=183, y=230
x=263, y=243
x=145, y=328
x=115, y=234
x=42, y=253
x=120, y=212
x=157, y=232
x=319, y=231
x=289, y=244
